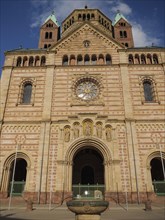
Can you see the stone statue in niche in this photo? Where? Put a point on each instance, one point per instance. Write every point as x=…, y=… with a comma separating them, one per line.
x=67, y=134
x=99, y=130
x=88, y=129
x=108, y=133
x=76, y=131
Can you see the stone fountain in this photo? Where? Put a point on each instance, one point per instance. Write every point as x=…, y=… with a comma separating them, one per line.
x=88, y=209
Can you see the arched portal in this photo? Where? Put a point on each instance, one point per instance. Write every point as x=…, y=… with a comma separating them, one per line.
x=157, y=169
x=157, y=165
x=19, y=175
x=88, y=167
x=91, y=154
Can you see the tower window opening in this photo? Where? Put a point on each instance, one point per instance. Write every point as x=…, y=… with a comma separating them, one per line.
x=148, y=91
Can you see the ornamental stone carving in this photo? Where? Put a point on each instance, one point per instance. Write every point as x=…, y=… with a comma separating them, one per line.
x=76, y=130
x=20, y=139
x=67, y=134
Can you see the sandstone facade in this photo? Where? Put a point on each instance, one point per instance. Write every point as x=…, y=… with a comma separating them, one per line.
x=49, y=133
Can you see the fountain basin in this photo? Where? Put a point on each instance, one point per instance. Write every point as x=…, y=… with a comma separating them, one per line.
x=87, y=209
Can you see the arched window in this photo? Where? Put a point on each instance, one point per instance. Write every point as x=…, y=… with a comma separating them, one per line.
x=149, y=59
x=88, y=16
x=125, y=34
x=121, y=34
x=37, y=61
x=50, y=35
x=79, y=16
x=130, y=59
x=72, y=60
x=137, y=60
x=126, y=44
x=31, y=61
x=92, y=16
x=19, y=61
x=84, y=17
x=46, y=35
x=148, y=91
x=94, y=59
x=27, y=92
x=43, y=61
x=45, y=46
x=101, y=59
x=25, y=61
x=79, y=60
x=108, y=59
x=143, y=59
x=86, y=59
x=157, y=169
x=65, y=60
x=155, y=59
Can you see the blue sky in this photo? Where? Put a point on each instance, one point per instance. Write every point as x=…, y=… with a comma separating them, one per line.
x=20, y=20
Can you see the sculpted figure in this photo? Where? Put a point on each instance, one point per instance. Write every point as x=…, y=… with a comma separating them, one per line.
x=99, y=130
x=67, y=134
x=76, y=131
x=108, y=133
x=88, y=130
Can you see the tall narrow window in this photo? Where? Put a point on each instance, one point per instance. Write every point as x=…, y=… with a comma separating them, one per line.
x=27, y=92
x=143, y=59
x=65, y=60
x=155, y=59
x=79, y=60
x=101, y=59
x=130, y=59
x=46, y=35
x=94, y=59
x=43, y=61
x=86, y=59
x=25, y=61
x=50, y=35
x=125, y=34
x=149, y=60
x=108, y=59
x=72, y=60
x=31, y=61
x=19, y=61
x=148, y=91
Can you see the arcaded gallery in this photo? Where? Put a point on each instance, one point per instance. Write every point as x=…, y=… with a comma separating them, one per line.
x=83, y=112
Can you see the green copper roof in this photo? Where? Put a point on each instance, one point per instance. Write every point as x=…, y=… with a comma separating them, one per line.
x=53, y=18
x=118, y=17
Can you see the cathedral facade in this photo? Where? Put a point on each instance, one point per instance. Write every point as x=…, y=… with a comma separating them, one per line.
x=83, y=111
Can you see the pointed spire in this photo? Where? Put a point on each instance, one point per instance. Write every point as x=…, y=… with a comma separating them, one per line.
x=53, y=18
x=118, y=17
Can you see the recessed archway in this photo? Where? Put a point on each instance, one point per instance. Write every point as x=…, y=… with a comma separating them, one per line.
x=19, y=175
x=88, y=167
x=157, y=169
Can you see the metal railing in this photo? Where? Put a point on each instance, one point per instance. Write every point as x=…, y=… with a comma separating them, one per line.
x=159, y=187
x=18, y=188
x=88, y=191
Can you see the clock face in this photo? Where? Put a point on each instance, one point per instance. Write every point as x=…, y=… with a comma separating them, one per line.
x=87, y=90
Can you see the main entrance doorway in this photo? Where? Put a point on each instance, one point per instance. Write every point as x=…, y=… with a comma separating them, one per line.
x=88, y=172
x=19, y=177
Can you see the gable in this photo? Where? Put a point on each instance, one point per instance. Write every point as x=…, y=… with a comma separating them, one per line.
x=98, y=41
x=121, y=20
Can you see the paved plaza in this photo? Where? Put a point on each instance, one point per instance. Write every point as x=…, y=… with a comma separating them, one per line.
x=114, y=212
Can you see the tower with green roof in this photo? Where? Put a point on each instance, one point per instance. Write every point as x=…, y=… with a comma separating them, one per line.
x=49, y=32
x=122, y=30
